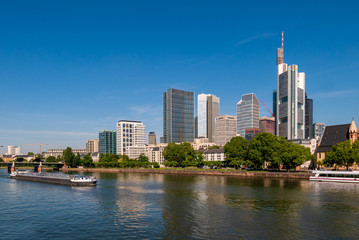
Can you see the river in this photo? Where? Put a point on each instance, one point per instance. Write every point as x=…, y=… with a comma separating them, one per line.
x=159, y=206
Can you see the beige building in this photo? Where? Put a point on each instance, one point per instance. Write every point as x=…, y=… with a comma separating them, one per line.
x=133, y=152
x=154, y=153
x=226, y=129
x=208, y=110
x=92, y=146
x=151, y=138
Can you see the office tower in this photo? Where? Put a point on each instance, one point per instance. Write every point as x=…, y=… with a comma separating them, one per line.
x=318, y=130
x=251, y=133
x=196, y=127
x=275, y=111
x=208, y=110
x=152, y=138
x=267, y=124
x=107, y=142
x=309, y=132
x=178, y=116
x=226, y=129
x=247, y=113
x=290, y=111
x=13, y=150
x=92, y=146
x=130, y=136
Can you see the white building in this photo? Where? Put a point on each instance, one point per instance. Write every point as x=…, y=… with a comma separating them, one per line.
x=13, y=150
x=214, y=154
x=154, y=153
x=247, y=113
x=290, y=102
x=59, y=152
x=130, y=133
x=226, y=129
x=208, y=110
x=309, y=143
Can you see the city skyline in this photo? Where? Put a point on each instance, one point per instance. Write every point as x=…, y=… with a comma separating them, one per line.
x=66, y=74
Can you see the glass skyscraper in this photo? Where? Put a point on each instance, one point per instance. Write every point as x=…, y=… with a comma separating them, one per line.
x=178, y=116
x=107, y=142
x=247, y=113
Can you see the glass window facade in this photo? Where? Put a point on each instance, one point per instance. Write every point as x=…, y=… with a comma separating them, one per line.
x=107, y=142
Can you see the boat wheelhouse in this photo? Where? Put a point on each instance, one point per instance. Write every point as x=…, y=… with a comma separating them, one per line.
x=336, y=176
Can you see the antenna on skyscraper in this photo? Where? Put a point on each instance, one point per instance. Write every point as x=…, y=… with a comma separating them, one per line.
x=282, y=39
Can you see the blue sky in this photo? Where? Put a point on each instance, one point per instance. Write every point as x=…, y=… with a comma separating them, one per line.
x=71, y=68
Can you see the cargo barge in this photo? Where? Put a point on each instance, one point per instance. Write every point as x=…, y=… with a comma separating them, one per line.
x=71, y=180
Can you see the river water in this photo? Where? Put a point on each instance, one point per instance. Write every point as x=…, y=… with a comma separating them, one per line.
x=158, y=206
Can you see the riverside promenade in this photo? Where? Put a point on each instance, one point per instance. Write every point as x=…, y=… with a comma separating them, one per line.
x=263, y=174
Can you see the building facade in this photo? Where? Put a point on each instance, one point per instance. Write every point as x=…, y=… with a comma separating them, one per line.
x=290, y=115
x=318, y=130
x=226, y=129
x=251, y=133
x=309, y=133
x=13, y=150
x=267, y=124
x=213, y=154
x=130, y=133
x=247, y=113
x=152, y=138
x=107, y=142
x=178, y=116
x=208, y=110
x=59, y=152
x=92, y=145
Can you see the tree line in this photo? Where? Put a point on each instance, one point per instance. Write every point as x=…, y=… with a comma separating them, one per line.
x=342, y=154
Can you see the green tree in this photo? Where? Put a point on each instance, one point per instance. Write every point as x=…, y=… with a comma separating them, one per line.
x=20, y=159
x=50, y=159
x=68, y=156
x=30, y=153
x=76, y=160
x=214, y=147
x=294, y=155
x=236, y=151
x=1, y=160
x=87, y=161
x=343, y=154
x=262, y=149
x=182, y=154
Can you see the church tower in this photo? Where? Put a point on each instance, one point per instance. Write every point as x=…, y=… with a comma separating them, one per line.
x=353, y=132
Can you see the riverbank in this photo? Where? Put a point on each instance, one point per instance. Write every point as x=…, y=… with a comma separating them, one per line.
x=264, y=174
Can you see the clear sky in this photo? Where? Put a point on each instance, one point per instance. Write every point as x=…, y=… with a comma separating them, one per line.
x=71, y=68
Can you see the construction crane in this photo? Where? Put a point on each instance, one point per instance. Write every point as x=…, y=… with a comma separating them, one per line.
x=266, y=108
x=40, y=144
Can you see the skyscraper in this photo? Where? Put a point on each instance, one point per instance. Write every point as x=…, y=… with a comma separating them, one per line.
x=318, y=130
x=309, y=133
x=130, y=134
x=266, y=124
x=290, y=115
x=107, y=142
x=178, y=116
x=247, y=113
x=152, y=138
x=208, y=110
x=226, y=129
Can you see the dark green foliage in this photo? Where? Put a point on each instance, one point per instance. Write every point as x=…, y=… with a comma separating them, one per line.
x=214, y=147
x=212, y=164
x=1, y=160
x=182, y=155
x=50, y=159
x=68, y=156
x=236, y=152
x=87, y=161
x=343, y=154
x=20, y=159
x=122, y=161
x=30, y=153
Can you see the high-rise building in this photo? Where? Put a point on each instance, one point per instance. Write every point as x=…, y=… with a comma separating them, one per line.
x=309, y=133
x=92, y=146
x=290, y=111
x=267, y=124
x=196, y=127
x=226, y=129
x=247, y=113
x=208, y=110
x=13, y=150
x=318, y=130
x=130, y=134
x=178, y=116
x=107, y=142
x=251, y=133
x=152, y=138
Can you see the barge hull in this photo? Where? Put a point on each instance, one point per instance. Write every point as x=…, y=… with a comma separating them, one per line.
x=53, y=180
